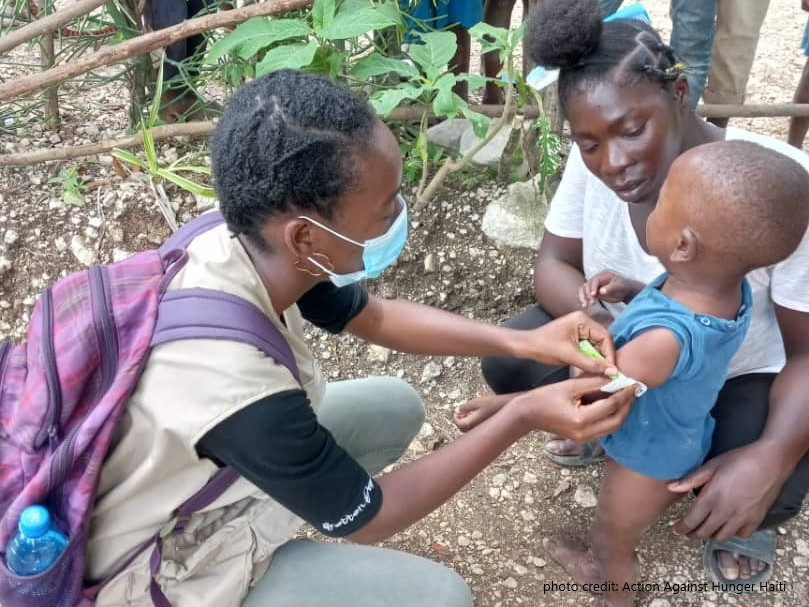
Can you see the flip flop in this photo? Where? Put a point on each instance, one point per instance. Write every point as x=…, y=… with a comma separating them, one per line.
x=589, y=455
x=760, y=546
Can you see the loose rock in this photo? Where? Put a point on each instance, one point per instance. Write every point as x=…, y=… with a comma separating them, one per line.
x=84, y=255
x=585, y=497
x=431, y=370
x=378, y=354
x=11, y=237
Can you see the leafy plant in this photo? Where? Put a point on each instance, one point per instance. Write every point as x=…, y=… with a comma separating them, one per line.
x=72, y=186
x=425, y=80
x=150, y=164
x=322, y=40
x=548, y=143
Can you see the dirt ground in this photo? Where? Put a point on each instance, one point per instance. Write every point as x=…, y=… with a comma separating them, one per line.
x=491, y=531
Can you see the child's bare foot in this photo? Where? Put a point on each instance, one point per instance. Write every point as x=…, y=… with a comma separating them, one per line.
x=581, y=565
x=477, y=410
x=575, y=559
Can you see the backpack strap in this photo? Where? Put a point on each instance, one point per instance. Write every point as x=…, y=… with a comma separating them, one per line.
x=198, y=313
x=189, y=231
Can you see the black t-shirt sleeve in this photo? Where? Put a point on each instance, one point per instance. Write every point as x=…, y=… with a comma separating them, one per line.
x=330, y=307
x=278, y=445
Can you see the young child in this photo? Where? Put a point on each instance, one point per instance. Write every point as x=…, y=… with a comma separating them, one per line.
x=725, y=209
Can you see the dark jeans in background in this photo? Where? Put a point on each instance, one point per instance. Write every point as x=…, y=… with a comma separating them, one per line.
x=165, y=13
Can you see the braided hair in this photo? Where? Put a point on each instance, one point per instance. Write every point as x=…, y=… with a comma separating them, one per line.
x=287, y=140
x=571, y=35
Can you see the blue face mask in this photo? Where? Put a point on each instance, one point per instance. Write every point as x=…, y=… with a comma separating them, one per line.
x=378, y=253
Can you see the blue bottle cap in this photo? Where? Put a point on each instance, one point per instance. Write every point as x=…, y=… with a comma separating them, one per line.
x=35, y=521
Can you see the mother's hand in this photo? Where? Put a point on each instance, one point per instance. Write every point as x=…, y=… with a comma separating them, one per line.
x=557, y=343
x=738, y=488
x=558, y=409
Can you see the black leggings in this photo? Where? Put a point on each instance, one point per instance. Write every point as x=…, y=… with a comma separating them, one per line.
x=740, y=410
x=165, y=13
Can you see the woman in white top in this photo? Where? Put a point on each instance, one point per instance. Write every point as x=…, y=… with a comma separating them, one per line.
x=626, y=99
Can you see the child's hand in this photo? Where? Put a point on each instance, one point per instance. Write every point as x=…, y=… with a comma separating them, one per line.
x=479, y=409
x=610, y=287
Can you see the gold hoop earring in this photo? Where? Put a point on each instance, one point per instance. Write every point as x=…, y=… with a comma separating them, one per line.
x=326, y=262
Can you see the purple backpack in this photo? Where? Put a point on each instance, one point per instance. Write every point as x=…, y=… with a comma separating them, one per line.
x=63, y=391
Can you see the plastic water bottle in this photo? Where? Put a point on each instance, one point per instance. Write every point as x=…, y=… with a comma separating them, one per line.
x=36, y=545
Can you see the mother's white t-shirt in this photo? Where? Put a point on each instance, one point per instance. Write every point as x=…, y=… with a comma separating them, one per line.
x=583, y=207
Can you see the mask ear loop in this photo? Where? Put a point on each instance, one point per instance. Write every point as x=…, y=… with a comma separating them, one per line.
x=327, y=264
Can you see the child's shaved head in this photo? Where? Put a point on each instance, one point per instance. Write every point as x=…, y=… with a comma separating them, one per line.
x=748, y=204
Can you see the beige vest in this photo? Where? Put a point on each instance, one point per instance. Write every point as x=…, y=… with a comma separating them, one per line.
x=186, y=389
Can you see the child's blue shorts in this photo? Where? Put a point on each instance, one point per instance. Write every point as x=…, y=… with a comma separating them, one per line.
x=440, y=14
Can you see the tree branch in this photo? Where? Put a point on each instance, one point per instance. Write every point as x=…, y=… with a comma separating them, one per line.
x=144, y=44
x=188, y=129
x=48, y=24
x=404, y=114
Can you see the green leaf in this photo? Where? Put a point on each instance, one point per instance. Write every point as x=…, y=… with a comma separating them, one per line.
x=517, y=35
x=434, y=52
x=322, y=14
x=149, y=149
x=73, y=198
x=376, y=64
x=476, y=81
x=293, y=56
x=480, y=123
x=446, y=103
x=390, y=9
x=356, y=23
x=255, y=34
x=129, y=157
x=157, y=99
x=482, y=30
x=187, y=184
x=550, y=147
x=385, y=101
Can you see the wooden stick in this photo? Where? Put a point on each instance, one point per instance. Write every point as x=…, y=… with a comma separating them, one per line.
x=204, y=128
x=758, y=110
x=188, y=129
x=48, y=24
x=143, y=44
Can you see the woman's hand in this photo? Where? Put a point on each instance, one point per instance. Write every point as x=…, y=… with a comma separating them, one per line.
x=610, y=287
x=557, y=343
x=558, y=408
x=738, y=488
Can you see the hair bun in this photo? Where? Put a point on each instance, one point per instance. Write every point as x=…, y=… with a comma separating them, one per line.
x=560, y=33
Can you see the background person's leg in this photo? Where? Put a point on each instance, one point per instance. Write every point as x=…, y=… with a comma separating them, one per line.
x=496, y=13
x=374, y=419
x=692, y=32
x=163, y=14
x=506, y=375
x=734, y=47
x=318, y=574
x=799, y=126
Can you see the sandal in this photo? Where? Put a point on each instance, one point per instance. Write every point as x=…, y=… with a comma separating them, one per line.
x=760, y=546
x=591, y=453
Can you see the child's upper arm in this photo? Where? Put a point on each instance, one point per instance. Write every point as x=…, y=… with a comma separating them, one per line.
x=650, y=357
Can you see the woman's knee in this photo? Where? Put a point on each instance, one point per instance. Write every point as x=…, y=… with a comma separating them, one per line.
x=453, y=590
x=406, y=408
